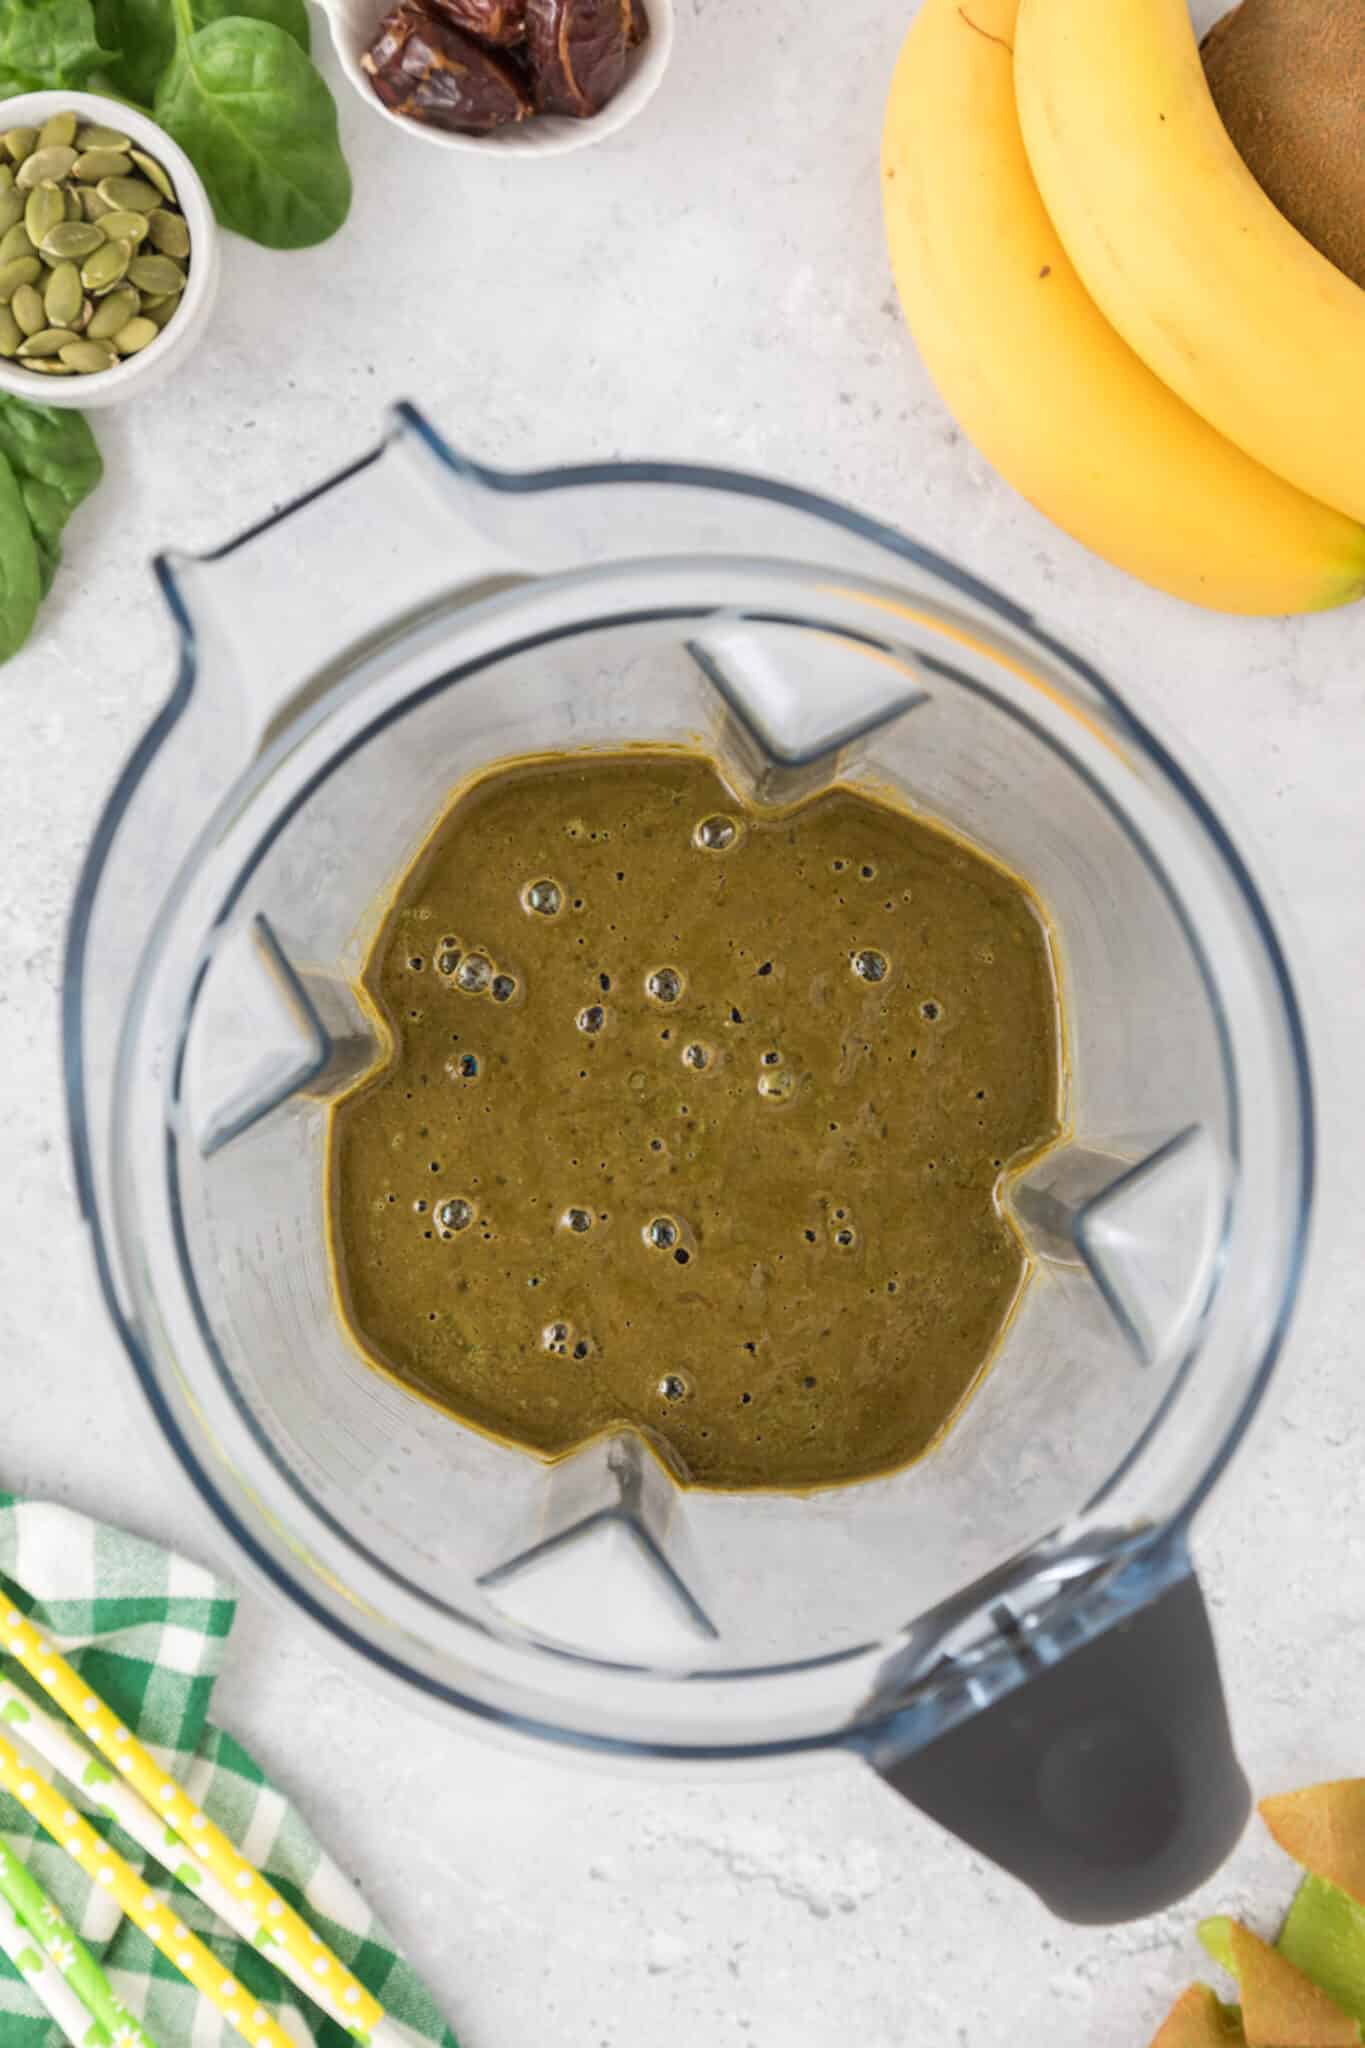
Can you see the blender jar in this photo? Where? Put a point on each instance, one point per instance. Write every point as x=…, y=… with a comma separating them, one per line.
x=1009, y=1629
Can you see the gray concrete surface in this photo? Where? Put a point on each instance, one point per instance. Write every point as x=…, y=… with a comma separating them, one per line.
x=711, y=285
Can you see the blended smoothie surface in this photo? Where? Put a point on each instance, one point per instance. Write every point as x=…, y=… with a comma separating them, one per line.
x=693, y=1119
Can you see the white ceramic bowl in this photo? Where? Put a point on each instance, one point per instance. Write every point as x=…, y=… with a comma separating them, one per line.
x=354, y=23
x=160, y=357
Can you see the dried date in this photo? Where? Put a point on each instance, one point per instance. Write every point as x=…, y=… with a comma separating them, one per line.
x=502, y=22
x=427, y=70
x=577, y=51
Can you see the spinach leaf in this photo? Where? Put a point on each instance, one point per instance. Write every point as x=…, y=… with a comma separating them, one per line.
x=52, y=446
x=21, y=586
x=259, y=125
x=52, y=463
x=145, y=32
x=49, y=42
x=49, y=555
x=290, y=15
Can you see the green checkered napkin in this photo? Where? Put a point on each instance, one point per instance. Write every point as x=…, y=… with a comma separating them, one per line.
x=148, y=1629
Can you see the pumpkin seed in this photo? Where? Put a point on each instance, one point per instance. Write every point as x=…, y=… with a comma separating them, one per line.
x=135, y=336
x=58, y=130
x=54, y=163
x=150, y=168
x=23, y=270
x=49, y=341
x=115, y=246
x=71, y=238
x=104, y=269
x=64, y=299
x=113, y=313
x=169, y=233
x=15, y=242
x=127, y=227
x=86, y=357
x=95, y=137
x=93, y=164
x=133, y=193
x=157, y=275
x=30, y=313
x=45, y=208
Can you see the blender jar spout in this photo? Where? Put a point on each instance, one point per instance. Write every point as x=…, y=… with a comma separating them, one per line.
x=270, y=621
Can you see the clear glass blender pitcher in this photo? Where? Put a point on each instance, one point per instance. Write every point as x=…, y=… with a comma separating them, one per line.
x=1009, y=1630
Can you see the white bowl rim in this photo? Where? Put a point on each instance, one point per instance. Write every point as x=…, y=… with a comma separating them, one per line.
x=137, y=373
x=547, y=135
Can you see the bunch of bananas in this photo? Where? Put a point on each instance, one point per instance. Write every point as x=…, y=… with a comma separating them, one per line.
x=1115, y=312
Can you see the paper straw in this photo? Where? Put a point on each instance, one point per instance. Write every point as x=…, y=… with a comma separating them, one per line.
x=47, y=1983
x=67, y=1952
x=334, y=1985
x=106, y=1868
x=54, y=1740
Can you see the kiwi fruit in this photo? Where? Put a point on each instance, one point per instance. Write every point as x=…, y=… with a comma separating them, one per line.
x=1288, y=79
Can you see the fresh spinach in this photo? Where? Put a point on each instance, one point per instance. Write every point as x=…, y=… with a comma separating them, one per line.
x=52, y=445
x=21, y=585
x=258, y=123
x=48, y=464
x=231, y=80
x=144, y=33
x=49, y=43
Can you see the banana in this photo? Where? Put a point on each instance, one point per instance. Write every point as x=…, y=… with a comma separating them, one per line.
x=1180, y=248
x=1037, y=377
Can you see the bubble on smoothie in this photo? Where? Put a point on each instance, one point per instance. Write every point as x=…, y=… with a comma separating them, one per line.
x=674, y=1386
x=777, y=1085
x=870, y=965
x=716, y=834
x=555, y=1337
x=447, y=961
x=845, y=1237
x=592, y=1019
x=664, y=985
x=577, y=1220
x=503, y=988
x=474, y=973
x=455, y=1213
x=543, y=898
x=662, y=1233
x=931, y=1011
x=698, y=1055
x=464, y=1067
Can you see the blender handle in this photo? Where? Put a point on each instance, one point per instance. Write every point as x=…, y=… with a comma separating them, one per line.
x=1106, y=1781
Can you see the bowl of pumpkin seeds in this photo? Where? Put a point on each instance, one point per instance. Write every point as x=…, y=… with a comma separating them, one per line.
x=108, y=250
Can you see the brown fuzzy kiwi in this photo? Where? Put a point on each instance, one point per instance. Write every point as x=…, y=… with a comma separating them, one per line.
x=1288, y=78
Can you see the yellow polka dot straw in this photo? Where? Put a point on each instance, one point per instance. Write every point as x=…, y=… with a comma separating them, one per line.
x=332, y=1984
x=106, y=1868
